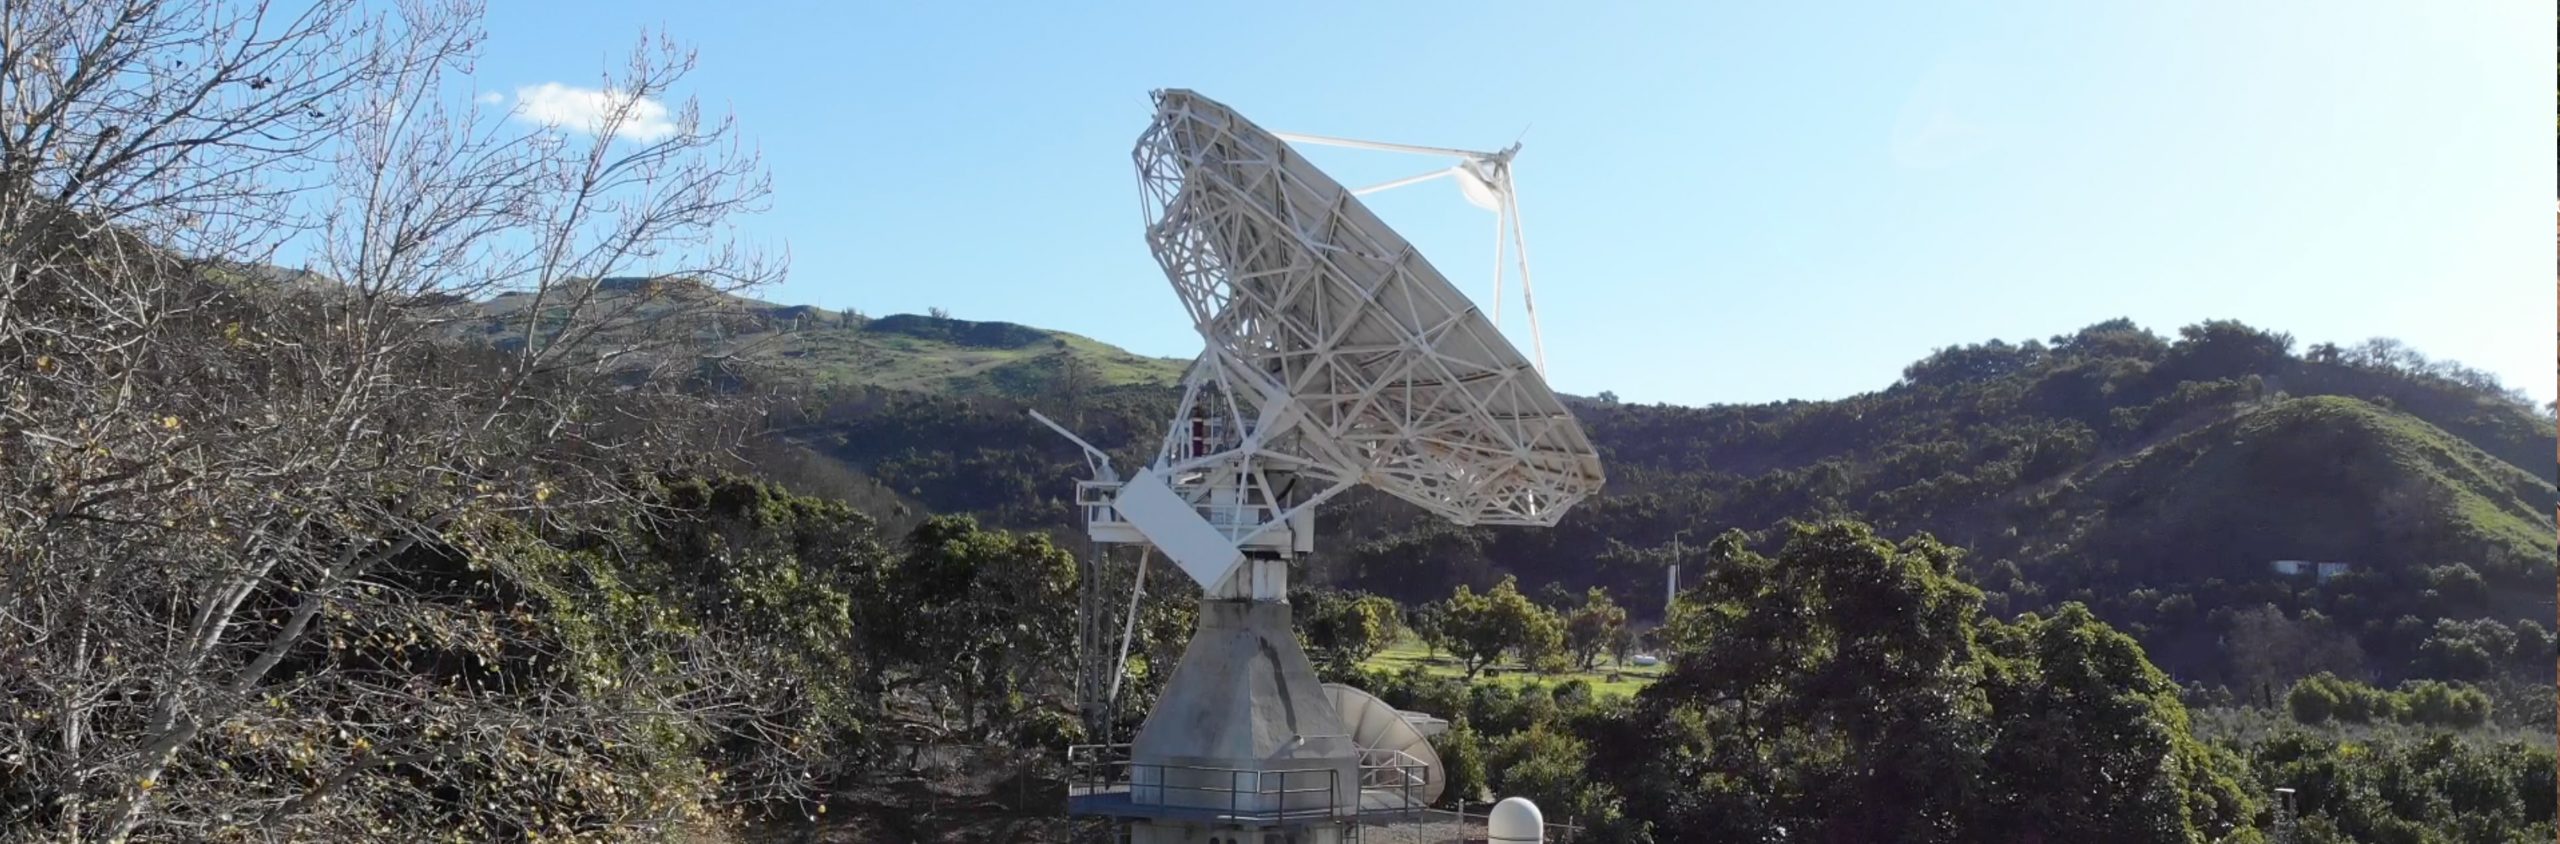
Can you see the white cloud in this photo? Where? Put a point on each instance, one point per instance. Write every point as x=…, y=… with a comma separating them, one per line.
x=489, y=98
x=586, y=109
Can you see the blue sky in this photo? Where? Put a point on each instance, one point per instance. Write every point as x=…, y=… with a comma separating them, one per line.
x=1725, y=201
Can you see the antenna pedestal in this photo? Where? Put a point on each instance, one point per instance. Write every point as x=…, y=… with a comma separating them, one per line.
x=1243, y=728
x=1244, y=739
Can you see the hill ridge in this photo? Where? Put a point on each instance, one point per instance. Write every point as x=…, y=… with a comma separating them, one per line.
x=2113, y=467
x=829, y=348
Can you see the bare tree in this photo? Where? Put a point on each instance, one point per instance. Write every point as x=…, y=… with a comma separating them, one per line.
x=2268, y=651
x=259, y=529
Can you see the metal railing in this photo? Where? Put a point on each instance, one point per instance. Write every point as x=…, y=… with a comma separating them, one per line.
x=1382, y=769
x=1095, y=497
x=1232, y=520
x=1248, y=794
x=1235, y=793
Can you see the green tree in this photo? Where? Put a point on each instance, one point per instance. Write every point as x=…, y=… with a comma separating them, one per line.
x=2460, y=588
x=1557, y=599
x=2534, y=646
x=1461, y=752
x=2311, y=702
x=774, y=577
x=1850, y=689
x=988, y=614
x=1551, y=767
x=2440, y=789
x=1959, y=364
x=1622, y=641
x=1591, y=628
x=1429, y=623
x=2224, y=349
x=2442, y=704
x=1385, y=618
x=2456, y=656
x=1345, y=629
x=1483, y=628
x=1846, y=665
x=2092, y=742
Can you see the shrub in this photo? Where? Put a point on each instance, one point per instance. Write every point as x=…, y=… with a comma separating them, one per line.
x=1462, y=756
x=2443, y=704
x=2311, y=703
x=2324, y=697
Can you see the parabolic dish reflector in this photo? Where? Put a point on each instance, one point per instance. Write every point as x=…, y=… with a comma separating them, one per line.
x=1365, y=365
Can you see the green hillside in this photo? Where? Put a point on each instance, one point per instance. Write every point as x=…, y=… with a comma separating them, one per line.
x=2370, y=480
x=817, y=347
x=958, y=357
x=2153, y=479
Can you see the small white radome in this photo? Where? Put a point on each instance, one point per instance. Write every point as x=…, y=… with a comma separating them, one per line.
x=1515, y=820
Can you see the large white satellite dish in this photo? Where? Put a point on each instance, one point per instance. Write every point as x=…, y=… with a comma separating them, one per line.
x=1336, y=356
x=1327, y=321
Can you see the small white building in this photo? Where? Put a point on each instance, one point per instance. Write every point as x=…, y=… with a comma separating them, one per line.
x=2318, y=570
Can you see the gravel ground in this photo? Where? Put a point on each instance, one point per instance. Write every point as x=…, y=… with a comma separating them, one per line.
x=1425, y=832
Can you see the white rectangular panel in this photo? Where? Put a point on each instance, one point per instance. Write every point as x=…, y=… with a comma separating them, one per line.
x=1176, y=529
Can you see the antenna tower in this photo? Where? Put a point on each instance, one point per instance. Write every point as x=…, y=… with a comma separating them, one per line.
x=1336, y=356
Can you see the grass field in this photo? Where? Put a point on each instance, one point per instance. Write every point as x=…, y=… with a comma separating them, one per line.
x=1607, y=677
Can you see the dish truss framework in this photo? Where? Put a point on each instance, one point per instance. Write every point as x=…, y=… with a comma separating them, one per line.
x=1337, y=352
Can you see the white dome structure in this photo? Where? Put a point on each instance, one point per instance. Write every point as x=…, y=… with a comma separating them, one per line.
x=1515, y=820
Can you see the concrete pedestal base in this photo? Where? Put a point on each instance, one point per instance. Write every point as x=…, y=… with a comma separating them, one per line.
x=1244, y=726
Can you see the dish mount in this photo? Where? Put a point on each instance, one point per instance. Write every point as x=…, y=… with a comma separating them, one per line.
x=1335, y=356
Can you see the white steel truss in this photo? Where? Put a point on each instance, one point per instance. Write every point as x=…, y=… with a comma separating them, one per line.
x=1335, y=356
x=1485, y=179
x=1360, y=361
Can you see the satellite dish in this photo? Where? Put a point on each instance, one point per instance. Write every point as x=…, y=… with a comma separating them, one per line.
x=1335, y=356
x=1411, y=766
x=1358, y=359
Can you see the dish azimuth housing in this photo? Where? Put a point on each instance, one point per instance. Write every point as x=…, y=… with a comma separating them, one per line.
x=1349, y=357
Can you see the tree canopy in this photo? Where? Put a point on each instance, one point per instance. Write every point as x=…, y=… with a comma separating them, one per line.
x=1481, y=628
x=1850, y=689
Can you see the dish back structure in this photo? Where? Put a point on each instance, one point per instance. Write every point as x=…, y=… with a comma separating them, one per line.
x=1362, y=360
